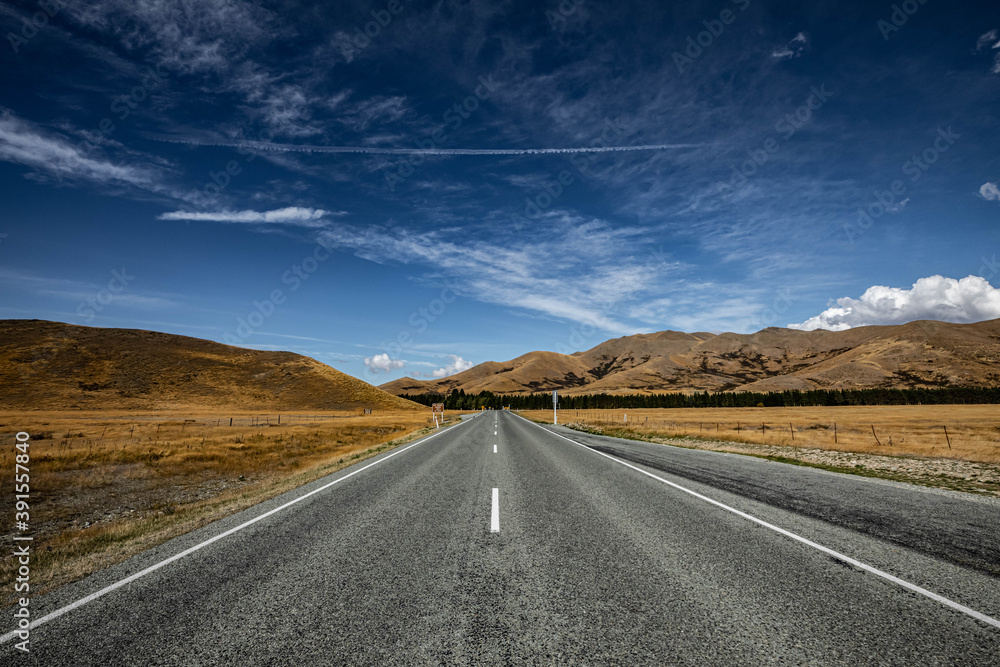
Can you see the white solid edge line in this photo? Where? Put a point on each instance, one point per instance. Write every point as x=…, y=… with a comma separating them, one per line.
x=495, y=514
x=152, y=568
x=830, y=552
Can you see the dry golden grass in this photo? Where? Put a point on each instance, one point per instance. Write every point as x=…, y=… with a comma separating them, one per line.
x=973, y=430
x=107, y=485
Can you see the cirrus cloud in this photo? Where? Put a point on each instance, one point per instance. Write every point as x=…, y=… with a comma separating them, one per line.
x=971, y=299
x=291, y=215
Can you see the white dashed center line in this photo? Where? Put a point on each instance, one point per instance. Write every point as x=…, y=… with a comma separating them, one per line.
x=495, y=518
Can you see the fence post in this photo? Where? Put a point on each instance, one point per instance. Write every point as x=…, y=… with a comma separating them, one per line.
x=946, y=437
x=876, y=437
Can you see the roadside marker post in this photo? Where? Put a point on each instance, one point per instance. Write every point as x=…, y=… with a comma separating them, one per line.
x=555, y=407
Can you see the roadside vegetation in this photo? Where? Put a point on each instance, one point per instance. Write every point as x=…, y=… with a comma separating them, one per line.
x=955, y=446
x=105, y=486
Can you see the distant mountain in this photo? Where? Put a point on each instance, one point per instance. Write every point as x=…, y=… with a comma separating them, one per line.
x=52, y=366
x=918, y=354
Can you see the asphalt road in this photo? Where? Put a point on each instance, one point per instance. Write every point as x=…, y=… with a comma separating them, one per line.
x=583, y=559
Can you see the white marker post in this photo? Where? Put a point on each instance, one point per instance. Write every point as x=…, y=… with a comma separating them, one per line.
x=555, y=406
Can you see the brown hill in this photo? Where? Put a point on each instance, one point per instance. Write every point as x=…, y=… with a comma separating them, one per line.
x=918, y=354
x=50, y=365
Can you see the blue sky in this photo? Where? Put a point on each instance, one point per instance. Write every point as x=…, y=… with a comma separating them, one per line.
x=408, y=188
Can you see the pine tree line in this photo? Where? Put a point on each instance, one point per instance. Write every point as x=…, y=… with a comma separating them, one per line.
x=459, y=400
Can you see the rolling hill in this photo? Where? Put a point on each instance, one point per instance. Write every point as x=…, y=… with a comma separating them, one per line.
x=50, y=365
x=918, y=354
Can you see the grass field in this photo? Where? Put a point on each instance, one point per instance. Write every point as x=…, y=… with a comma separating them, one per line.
x=105, y=486
x=963, y=432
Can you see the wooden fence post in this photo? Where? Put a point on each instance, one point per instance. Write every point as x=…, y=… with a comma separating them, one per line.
x=946, y=437
x=876, y=437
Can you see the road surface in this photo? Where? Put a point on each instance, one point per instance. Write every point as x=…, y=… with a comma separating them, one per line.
x=499, y=541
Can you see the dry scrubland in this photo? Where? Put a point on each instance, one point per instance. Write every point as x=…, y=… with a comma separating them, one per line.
x=107, y=485
x=911, y=446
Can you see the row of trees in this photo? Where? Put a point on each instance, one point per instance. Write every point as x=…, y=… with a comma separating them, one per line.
x=459, y=400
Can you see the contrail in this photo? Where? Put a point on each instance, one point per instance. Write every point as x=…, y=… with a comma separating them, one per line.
x=304, y=148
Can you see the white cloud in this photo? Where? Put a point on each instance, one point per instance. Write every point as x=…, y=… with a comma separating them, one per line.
x=57, y=156
x=382, y=363
x=291, y=215
x=988, y=39
x=189, y=36
x=896, y=208
x=571, y=268
x=989, y=191
x=971, y=299
x=793, y=49
x=377, y=109
x=457, y=365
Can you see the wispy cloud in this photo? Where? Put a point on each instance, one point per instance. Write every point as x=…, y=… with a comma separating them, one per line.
x=78, y=290
x=291, y=215
x=62, y=158
x=795, y=47
x=580, y=283
x=971, y=299
x=990, y=40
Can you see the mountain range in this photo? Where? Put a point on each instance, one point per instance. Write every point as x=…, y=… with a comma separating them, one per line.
x=918, y=354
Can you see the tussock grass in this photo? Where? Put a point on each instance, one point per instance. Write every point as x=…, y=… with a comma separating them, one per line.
x=117, y=484
x=973, y=430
